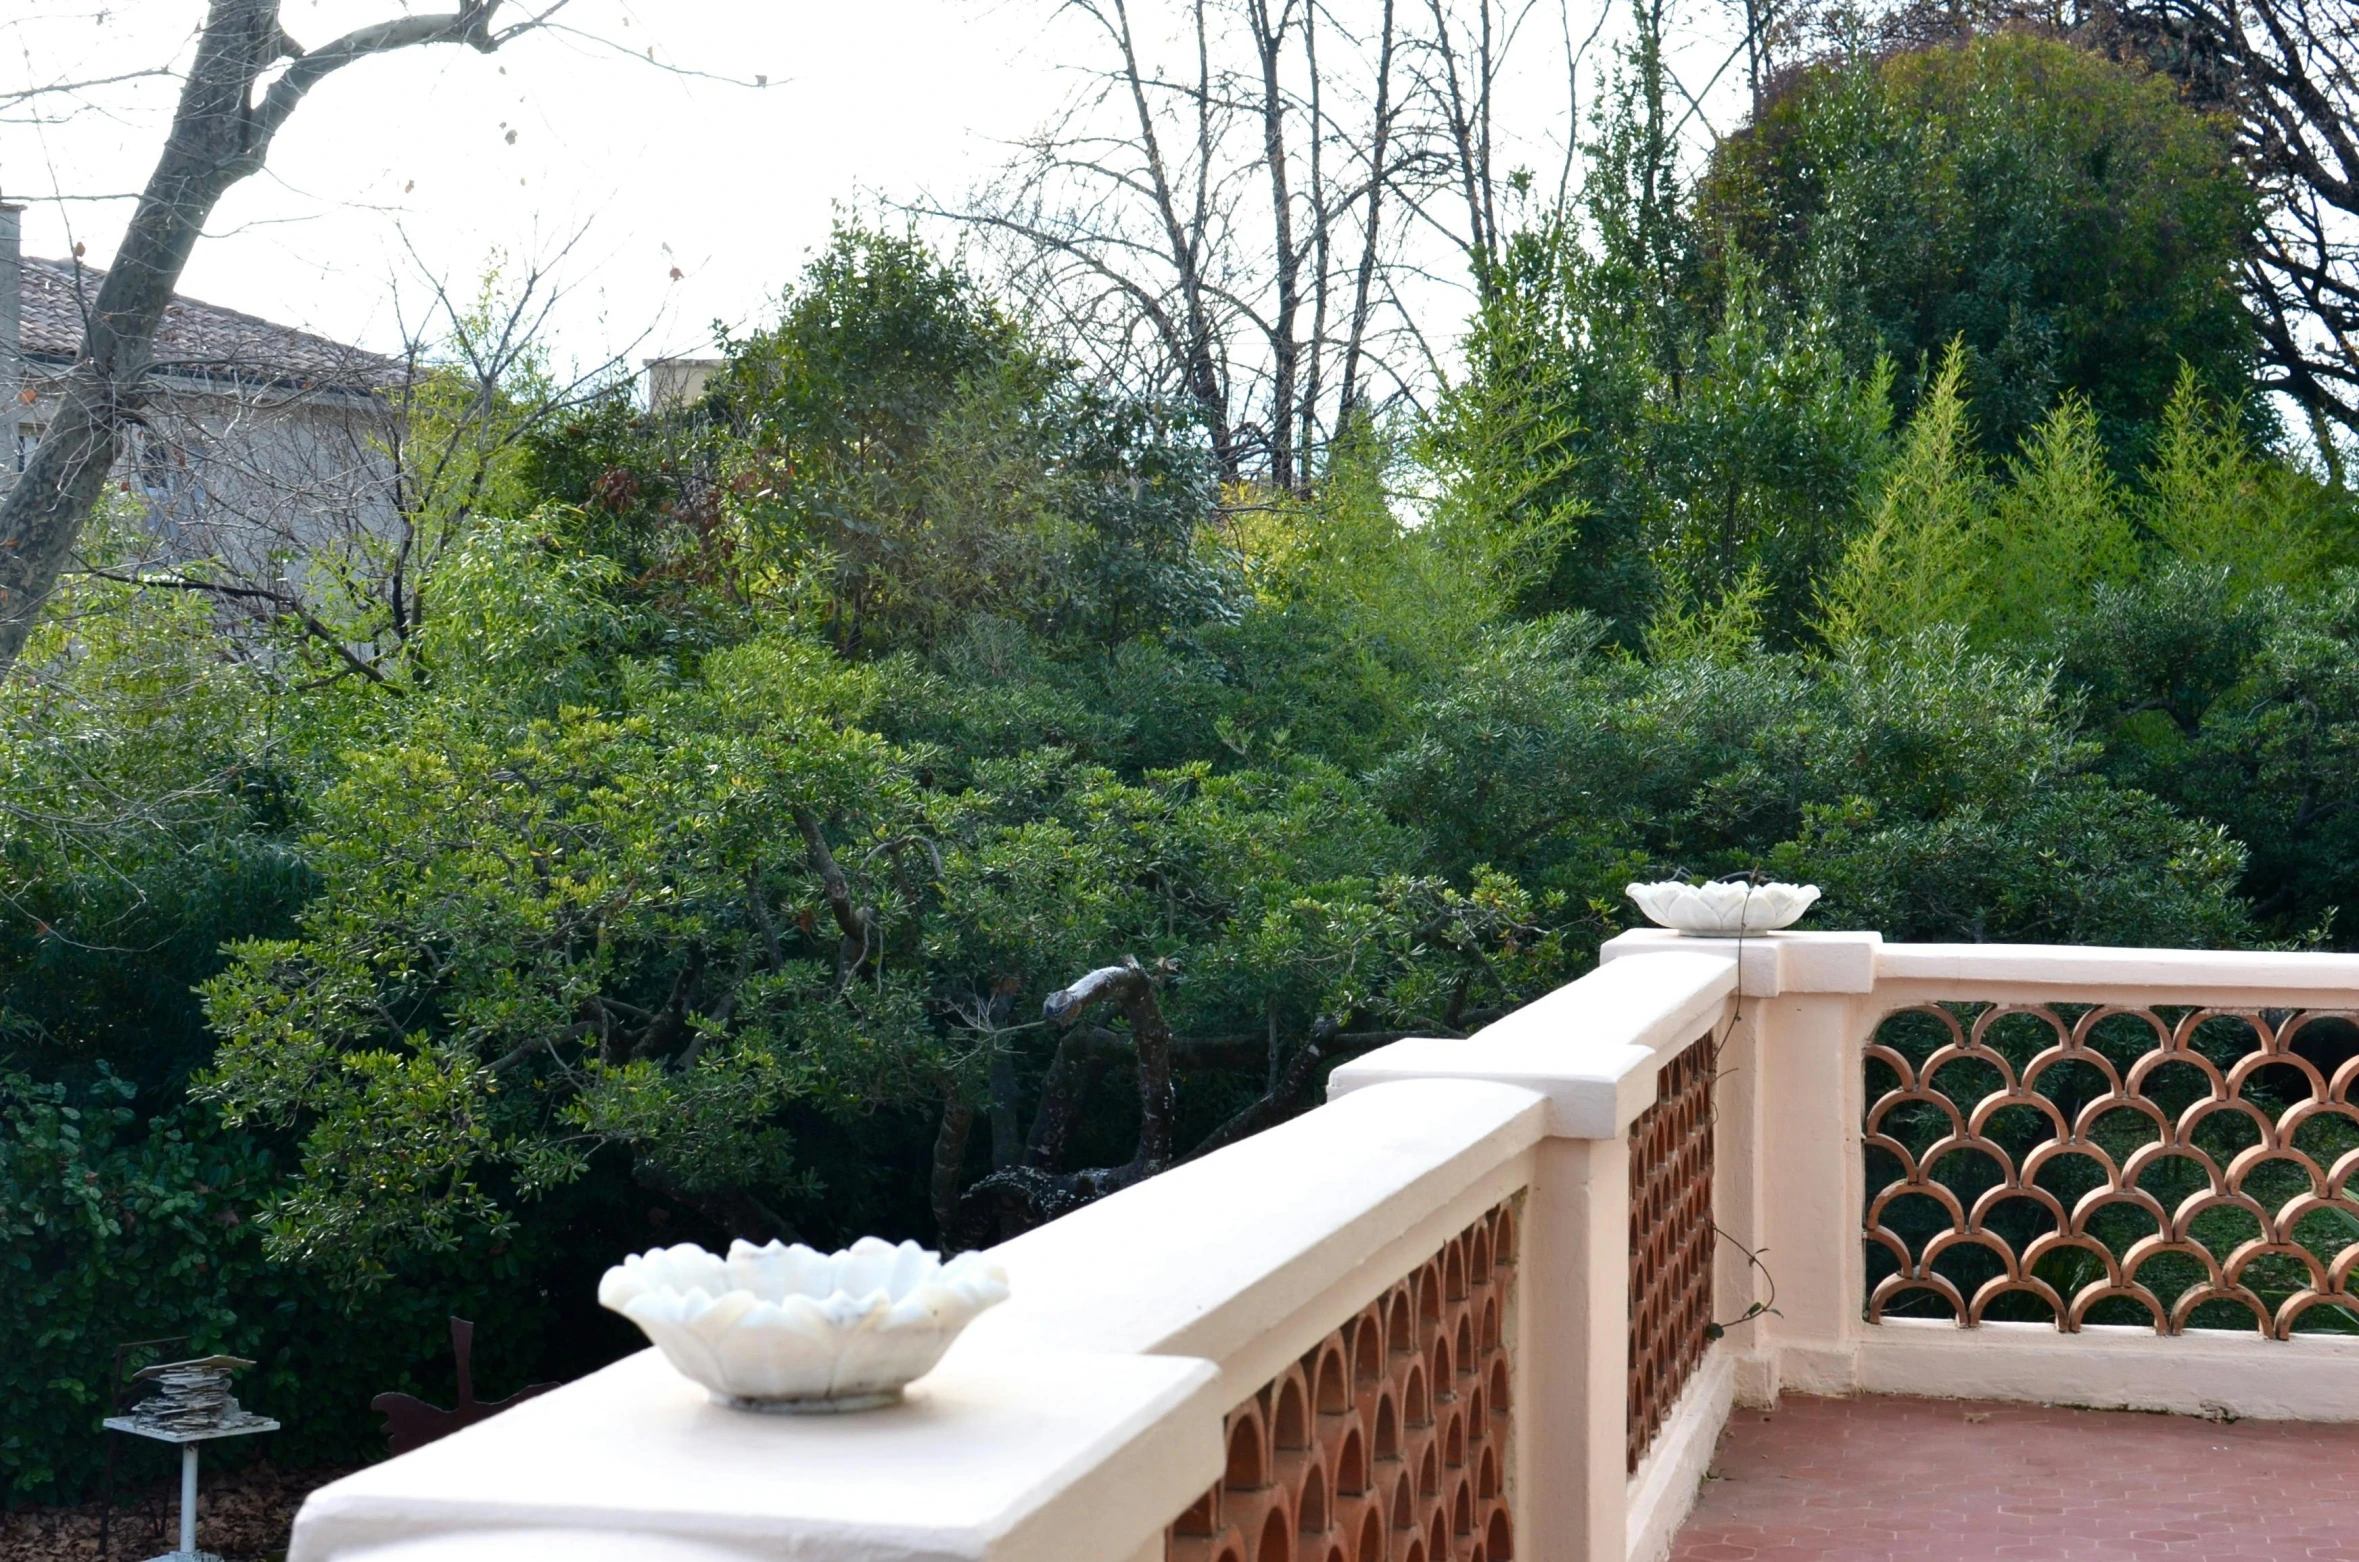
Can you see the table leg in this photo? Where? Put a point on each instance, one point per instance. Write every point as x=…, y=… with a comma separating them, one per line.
x=188, y=1499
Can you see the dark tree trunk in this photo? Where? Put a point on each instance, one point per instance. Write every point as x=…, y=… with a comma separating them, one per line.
x=1377, y=176
x=2286, y=72
x=1015, y=1198
x=221, y=133
x=950, y=1153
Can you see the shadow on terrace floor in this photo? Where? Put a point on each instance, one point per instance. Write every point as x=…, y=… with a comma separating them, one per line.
x=1878, y=1479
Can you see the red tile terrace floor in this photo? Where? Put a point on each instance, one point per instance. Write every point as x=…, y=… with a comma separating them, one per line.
x=1875, y=1480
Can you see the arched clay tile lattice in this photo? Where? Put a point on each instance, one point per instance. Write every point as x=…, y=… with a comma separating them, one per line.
x=1670, y=1241
x=1389, y=1440
x=2177, y=1167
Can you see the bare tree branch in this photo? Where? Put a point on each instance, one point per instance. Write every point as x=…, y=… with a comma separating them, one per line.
x=221, y=132
x=1212, y=215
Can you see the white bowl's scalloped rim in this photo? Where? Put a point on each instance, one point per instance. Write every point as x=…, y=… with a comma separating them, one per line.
x=1718, y=910
x=781, y=1326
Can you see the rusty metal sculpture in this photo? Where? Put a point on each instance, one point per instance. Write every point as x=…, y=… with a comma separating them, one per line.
x=1389, y=1440
x=411, y=1423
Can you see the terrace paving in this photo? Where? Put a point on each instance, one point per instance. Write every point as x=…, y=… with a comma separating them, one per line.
x=1878, y=1479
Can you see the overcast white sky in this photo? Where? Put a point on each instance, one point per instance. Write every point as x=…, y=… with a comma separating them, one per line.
x=470, y=155
x=729, y=184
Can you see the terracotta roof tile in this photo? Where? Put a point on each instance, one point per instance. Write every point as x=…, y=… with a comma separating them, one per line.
x=196, y=337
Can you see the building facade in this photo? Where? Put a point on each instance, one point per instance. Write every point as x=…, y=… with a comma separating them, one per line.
x=259, y=445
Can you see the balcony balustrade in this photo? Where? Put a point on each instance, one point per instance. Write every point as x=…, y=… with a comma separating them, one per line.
x=1499, y=1296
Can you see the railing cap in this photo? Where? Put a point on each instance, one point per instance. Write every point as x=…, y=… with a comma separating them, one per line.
x=1590, y=1049
x=1012, y=1458
x=2130, y=975
x=1790, y=964
x=1774, y=963
x=1070, y=1423
x=1222, y=1257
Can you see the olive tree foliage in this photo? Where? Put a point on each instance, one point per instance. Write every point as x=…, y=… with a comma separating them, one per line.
x=247, y=77
x=660, y=922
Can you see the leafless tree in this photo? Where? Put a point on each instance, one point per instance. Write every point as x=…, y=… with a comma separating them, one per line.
x=247, y=78
x=2287, y=72
x=1245, y=200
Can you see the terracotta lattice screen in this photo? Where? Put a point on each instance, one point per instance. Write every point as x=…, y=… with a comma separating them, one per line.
x=1670, y=1241
x=1388, y=1441
x=2177, y=1168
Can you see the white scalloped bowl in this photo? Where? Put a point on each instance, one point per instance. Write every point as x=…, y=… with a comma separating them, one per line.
x=1723, y=910
x=792, y=1329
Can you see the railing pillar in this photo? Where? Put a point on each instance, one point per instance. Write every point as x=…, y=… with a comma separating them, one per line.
x=1574, y=1343
x=1789, y=1104
x=1809, y=1165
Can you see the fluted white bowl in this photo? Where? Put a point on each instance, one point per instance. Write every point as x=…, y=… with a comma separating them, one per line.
x=790, y=1328
x=1723, y=910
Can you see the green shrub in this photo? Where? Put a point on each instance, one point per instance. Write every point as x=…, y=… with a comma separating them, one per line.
x=113, y=1230
x=2066, y=217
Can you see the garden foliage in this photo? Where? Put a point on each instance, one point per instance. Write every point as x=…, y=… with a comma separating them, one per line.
x=697, y=858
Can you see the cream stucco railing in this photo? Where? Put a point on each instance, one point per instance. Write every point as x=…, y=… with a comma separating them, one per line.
x=2109, y=1027
x=1460, y=1311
